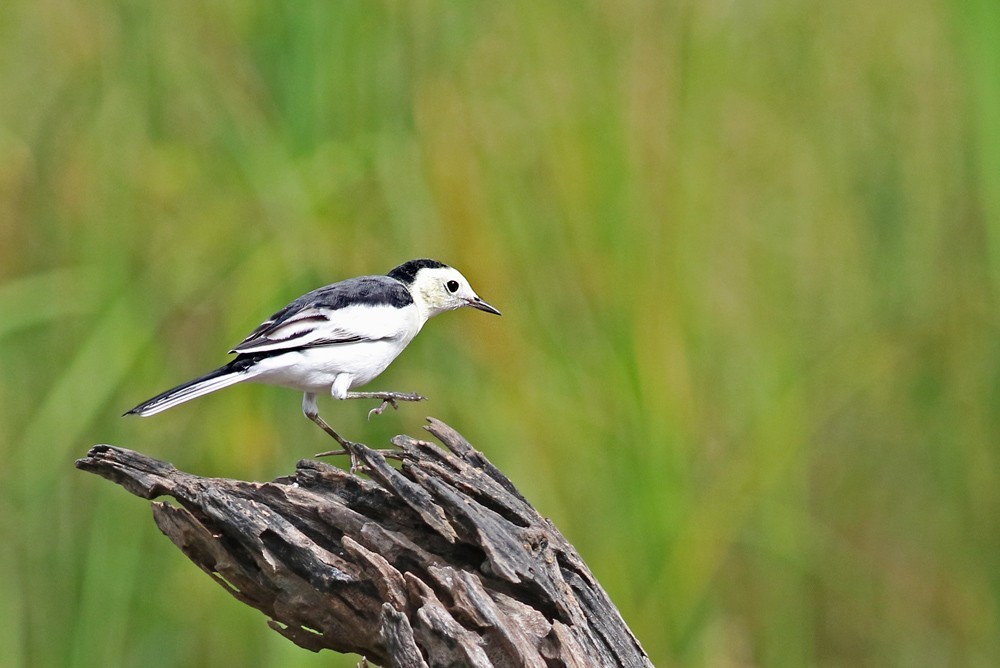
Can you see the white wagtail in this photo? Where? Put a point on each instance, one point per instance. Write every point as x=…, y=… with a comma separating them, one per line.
x=336, y=338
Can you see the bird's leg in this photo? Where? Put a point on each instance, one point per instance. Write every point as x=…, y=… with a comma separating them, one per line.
x=312, y=412
x=344, y=443
x=388, y=399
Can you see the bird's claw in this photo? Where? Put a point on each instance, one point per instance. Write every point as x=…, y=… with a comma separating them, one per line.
x=356, y=464
x=332, y=453
x=378, y=410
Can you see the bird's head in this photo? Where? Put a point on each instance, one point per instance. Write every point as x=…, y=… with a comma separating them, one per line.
x=436, y=287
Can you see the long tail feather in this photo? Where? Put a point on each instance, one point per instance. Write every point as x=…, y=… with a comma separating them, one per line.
x=210, y=382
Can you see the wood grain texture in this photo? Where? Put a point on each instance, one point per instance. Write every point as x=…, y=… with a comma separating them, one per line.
x=440, y=562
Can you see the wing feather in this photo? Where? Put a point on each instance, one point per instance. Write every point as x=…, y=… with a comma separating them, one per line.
x=368, y=308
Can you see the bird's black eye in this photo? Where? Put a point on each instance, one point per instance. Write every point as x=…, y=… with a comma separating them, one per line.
x=452, y=286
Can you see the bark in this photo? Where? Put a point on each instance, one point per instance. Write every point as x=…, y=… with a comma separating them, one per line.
x=439, y=562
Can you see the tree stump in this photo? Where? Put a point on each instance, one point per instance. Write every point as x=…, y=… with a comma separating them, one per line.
x=440, y=562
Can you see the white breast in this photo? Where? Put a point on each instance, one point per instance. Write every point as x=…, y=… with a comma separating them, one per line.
x=317, y=368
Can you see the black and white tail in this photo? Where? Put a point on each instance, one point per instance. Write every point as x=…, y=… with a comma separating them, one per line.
x=222, y=377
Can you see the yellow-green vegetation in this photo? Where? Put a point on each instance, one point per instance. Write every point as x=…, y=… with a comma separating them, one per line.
x=748, y=256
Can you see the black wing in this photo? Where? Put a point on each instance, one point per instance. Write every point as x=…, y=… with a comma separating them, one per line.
x=358, y=309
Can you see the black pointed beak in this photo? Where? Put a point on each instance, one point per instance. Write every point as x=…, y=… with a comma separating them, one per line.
x=478, y=303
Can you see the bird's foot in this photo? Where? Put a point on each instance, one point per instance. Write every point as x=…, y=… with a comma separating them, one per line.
x=381, y=407
x=388, y=399
x=355, y=464
x=348, y=446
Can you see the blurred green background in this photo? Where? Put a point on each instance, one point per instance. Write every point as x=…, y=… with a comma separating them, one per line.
x=748, y=256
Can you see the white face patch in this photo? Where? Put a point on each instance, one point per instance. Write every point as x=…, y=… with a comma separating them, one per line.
x=442, y=289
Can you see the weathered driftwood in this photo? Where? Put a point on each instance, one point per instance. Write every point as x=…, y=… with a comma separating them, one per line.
x=440, y=562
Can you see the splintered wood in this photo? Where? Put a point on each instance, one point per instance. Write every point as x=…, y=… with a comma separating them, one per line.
x=440, y=562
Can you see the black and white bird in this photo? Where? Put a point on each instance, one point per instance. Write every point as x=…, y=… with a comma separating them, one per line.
x=336, y=338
